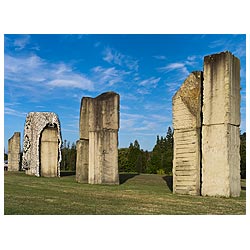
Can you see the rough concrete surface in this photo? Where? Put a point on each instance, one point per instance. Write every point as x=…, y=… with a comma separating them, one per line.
x=187, y=123
x=220, y=129
x=220, y=160
x=35, y=123
x=82, y=161
x=49, y=152
x=14, y=150
x=99, y=125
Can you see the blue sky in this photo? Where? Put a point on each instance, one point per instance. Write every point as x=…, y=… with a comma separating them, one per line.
x=53, y=72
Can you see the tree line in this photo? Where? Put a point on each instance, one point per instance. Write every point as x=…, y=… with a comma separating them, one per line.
x=136, y=160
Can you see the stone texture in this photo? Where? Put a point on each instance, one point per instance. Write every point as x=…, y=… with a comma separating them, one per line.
x=82, y=161
x=14, y=152
x=36, y=123
x=220, y=129
x=221, y=94
x=220, y=160
x=187, y=125
x=49, y=152
x=99, y=125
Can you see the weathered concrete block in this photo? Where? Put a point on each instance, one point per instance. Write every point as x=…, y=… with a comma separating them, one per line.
x=36, y=123
x=186, y=163
x=220, y=129
x=187, y=123
x=98, y=146
x=82, y=161
x=49, y=152
x=221, y=93
x=84, y=118
x=187, y=103
x=104, y=112
x=221, y=160
x=103, y=157
x=14, y=152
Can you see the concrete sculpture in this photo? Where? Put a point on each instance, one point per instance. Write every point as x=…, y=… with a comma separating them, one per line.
x=14, y=152
x=42, y=144
x=97, y=148
x=220, y=127
x=187, y=125
x=218, y=141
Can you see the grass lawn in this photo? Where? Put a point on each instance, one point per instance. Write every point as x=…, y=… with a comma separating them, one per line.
x=137, y=194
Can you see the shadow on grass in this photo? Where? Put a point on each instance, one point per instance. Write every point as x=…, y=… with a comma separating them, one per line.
x=169, y=181
x=124, y=177
x=67, y=173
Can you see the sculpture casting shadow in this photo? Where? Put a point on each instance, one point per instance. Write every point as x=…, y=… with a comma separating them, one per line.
x=67, y=173
x=169, y=181
x=124, y=177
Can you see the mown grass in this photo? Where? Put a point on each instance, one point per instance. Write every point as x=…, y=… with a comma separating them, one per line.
x=137, y=194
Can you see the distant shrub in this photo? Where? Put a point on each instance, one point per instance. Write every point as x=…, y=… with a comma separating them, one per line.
x=161, y=171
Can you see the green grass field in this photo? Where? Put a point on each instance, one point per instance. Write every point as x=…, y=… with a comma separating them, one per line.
x=137, y=194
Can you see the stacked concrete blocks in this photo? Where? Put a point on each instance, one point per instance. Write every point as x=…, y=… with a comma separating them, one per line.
x=187, y=125
x=217, y=141
x=14, y=152
x=220, y=129
x=97, y=149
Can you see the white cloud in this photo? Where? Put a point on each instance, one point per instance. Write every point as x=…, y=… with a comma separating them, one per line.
x=237, y=48
x=108, y=76
x=13, y=112
x=150, y=82
x=79, y=82
x=194, y=60
x=20, y=43
x=172, y=66
x=160, y=57
x=143, y=91
x=172, y=86
x=112, y=56
x=179, y=67
x=33, y=70
x=161, y=118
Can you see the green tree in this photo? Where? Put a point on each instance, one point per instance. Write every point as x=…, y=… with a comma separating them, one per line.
x=162, y=154
x=123, y=163
x=134, y=157
x=243, y=155
x=68, y=156
x=169, y=151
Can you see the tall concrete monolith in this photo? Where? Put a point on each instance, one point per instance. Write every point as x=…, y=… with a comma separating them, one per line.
x=220, y=129
x=97, y=148
x=42, y=144
x=14, y=152
x=187, y=130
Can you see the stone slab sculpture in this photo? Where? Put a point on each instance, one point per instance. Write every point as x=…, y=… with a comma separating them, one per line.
x=14, y=152
x=42, y=144
x=97, y=148
x=187, y=128
x=206, y=121
x=220, y=128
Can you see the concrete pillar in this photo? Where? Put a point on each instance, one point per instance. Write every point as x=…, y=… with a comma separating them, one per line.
x=220, y=129
x=49, y=152
x=82, y=161
x=187, y=125
x=82, y=145
x=99, y=124
x=14, y=152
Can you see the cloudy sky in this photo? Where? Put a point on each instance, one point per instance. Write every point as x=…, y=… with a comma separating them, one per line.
x=53, y=72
